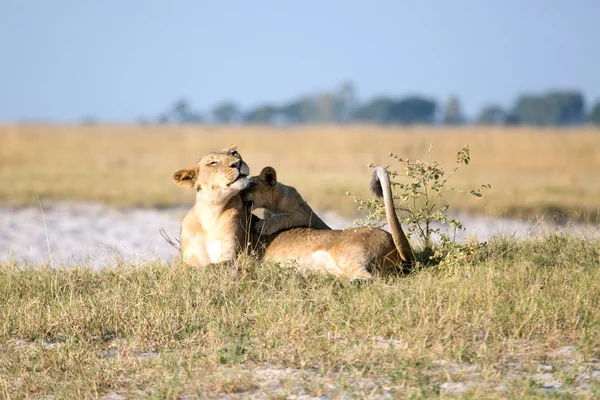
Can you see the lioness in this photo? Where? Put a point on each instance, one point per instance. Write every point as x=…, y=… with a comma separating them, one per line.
x=286, y=208
x=352, y=253
x=214, y=230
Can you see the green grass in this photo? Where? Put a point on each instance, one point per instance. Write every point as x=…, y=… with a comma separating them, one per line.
x=166, y=331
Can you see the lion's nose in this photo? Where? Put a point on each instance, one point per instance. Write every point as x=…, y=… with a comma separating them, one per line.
x=237, y=165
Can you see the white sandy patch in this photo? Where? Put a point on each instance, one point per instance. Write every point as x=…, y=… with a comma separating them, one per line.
x=94, y=233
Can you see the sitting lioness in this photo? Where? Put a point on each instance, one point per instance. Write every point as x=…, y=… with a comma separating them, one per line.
x=214, y=230
x=353, y=253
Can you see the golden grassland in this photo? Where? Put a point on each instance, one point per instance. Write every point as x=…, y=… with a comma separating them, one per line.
x=502, y=322
x=532, y=171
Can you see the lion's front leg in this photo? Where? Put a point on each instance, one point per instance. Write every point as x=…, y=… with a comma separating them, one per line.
x=278, y=222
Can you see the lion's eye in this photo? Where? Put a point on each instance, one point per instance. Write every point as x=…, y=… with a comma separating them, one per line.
x=212, y=164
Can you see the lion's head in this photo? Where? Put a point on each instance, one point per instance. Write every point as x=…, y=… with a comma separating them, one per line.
x=261, y=190
x=218, y=176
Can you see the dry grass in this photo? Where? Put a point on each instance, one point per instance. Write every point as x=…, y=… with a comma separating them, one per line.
x=161, y=331
x=502, y=322
x=532, y=171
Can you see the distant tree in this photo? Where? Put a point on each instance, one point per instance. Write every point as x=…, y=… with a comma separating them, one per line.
x=594, y=116
x=329, y=108
x=378, y=111
x=409, y=110
x=512, y=119
x=180, y=110
x=492, y=115
x=347, y=101
x=453, y=112
x=193, y=118
x=553, y=108
x=531, y=110
x=571, y=106
x=181, y=113
x=264, y=115
x=301, y=111
x=414, y=110
x=163, y=119
x=226, y=113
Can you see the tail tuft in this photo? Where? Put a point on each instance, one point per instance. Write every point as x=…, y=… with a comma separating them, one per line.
x=375, y=184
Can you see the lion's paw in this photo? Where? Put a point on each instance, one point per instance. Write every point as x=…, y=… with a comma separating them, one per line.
x=265, y=228
x=259, y=226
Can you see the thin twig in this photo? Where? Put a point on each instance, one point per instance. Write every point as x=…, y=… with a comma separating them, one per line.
x=45, y=229
x=165, y=236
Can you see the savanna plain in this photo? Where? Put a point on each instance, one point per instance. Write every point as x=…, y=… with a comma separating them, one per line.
x=509, y=318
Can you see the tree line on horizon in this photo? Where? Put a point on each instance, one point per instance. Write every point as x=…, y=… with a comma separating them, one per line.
x=341, y=106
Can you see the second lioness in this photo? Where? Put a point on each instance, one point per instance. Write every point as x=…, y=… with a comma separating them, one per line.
x=352, y=253
x=284, y=207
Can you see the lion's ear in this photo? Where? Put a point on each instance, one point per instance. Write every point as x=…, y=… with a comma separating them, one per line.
x=233, y=147
x=269, y=175
x=186, y=178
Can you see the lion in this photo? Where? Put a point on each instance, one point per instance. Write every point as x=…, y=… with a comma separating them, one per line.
x=215, y=229
x=355, y=253
x=284, y=207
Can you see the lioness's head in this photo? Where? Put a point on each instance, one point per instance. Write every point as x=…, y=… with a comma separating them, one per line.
x=218, y=175
x=261, y=190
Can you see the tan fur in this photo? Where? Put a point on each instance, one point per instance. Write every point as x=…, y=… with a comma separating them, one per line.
x=214, y=230
x=353, y=253
x=284, y=206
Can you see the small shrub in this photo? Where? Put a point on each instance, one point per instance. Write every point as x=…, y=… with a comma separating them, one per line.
x=421, y=201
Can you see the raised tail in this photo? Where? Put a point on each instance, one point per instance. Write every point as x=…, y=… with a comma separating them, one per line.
x=381, y=187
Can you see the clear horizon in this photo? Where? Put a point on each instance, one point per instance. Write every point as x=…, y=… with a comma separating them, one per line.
x=66, y=60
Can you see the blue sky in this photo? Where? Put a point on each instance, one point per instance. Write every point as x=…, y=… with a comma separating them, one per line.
x=119, y=60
